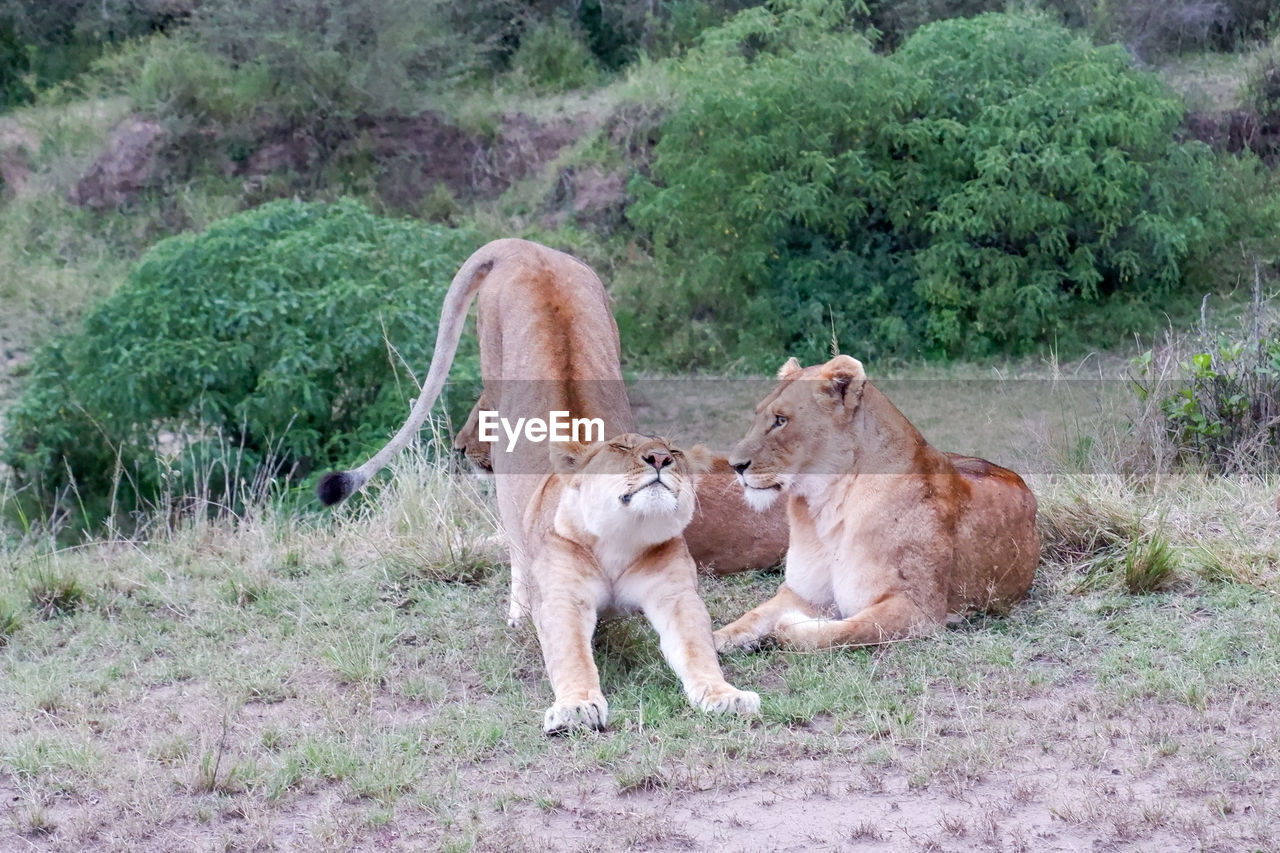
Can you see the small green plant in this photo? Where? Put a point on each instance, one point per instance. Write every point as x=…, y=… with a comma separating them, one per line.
x=54, y=591
x=1149, y=564
x=10, y=621
x=359, y=659
x=1225, y=413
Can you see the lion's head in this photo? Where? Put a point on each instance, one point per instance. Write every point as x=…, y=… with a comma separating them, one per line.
x=803, y=426
x=633, y=487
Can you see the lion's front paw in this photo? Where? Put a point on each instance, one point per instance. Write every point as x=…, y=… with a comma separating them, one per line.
x=516, y=612
x=727, y=699
x=728, y=639
x=589, y=713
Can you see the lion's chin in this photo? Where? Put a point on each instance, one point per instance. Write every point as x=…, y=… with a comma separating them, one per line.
x=760, y=499
x=653, y=499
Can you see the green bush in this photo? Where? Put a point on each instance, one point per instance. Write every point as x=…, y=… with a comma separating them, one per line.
x=278, y=341
x=897, y=19
x=552, y=57
x=1226, y=413
x=975, y=191
x=46, y=42
x=1262, y=82
x=350, y=56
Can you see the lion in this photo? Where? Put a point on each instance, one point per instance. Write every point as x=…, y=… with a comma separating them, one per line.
x=888, y=535
x=604, y=532
x=548, y=342
x=721, y=538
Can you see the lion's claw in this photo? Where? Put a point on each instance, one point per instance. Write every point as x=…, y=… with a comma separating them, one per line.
x=726, y=699
x=592, y=713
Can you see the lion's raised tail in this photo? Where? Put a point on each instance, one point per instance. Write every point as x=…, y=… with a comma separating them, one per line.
x=337, y=486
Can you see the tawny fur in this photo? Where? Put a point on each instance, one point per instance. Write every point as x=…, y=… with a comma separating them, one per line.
x=887, y=534
x=604, y=534
x=723, y=537
x=548, y=342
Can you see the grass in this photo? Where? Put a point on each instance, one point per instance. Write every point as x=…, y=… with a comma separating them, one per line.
x=297, y=682
x=1208, y=81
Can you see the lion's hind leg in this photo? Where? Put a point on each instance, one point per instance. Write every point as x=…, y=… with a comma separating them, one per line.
x=895, y=617
x=750, y=628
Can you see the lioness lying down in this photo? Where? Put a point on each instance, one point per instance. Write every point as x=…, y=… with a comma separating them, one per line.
x=614, y=544
x=888, y=535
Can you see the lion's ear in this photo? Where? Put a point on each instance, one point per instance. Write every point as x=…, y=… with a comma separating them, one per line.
x=567, y=456
x=790, y=369
x=843, y=377
x=699, y=459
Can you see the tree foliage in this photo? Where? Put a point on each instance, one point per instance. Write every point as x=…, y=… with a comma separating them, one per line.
x=973, y=191
x=286, y=336
x=46, y=42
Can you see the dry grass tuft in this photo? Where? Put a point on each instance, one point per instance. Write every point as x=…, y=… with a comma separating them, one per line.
x=1086, y=532
x=54, y=591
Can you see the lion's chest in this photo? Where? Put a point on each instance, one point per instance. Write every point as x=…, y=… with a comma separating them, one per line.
x=809, y=574
x=828, y=562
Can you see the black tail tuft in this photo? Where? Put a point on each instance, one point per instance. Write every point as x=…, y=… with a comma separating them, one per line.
x=335, y=487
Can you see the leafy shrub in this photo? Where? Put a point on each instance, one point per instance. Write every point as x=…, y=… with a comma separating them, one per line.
x=178, y=77
x=316, y=64
x=897, y=19
x=972, y=192
x=1262, y=83
x=46, y=42
x=279, y=340
x=618, y=32
x=1062, y=183
x=1226, y=414
x=552, y=57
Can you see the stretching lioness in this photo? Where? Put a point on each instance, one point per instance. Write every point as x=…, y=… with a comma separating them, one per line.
x=722, y=537
x=888, y=535
x=605, y=535
x=548, y=343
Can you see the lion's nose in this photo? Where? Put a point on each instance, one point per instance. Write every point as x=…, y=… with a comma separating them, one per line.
x=740, y=466
x=659, y=459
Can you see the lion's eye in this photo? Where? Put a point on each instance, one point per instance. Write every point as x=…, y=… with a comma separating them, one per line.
x=779, y=421
x=676, y=453
x=622, y=448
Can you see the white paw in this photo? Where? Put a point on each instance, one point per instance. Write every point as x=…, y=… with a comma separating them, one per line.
x=726, y=699
x=590, y=713
x=727, y=640
x=515, y=613
x=791, y=619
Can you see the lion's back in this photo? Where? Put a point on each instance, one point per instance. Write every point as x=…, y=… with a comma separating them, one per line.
x=997, y=544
